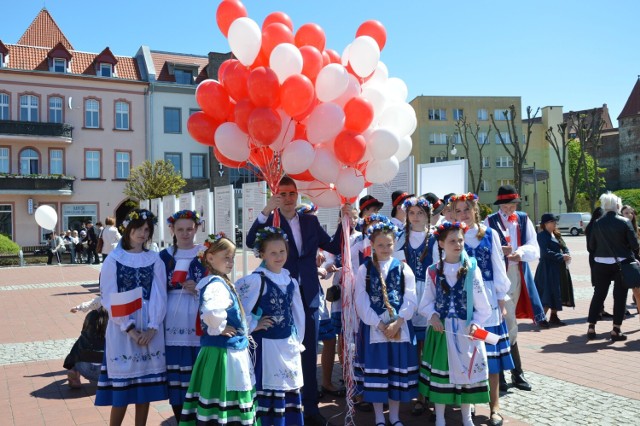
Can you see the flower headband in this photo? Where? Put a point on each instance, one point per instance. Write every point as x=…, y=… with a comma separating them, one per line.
x=366, y=221
x=416, y=201
x=185, y=214
x=138, y=214
x=211, y=240
x=263, y=234
x=463, y=197
x=446, y=226
x=307, y=208
x=385, y=226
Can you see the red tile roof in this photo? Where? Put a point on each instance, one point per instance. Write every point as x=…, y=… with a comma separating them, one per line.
x=161, y=60
x=632, y=107
x=44, y=32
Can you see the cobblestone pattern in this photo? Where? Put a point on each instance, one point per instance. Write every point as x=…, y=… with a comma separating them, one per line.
x=556, y=402
x=47, y=285
x=14, y=353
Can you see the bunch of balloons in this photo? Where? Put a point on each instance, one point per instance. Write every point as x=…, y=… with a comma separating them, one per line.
x=286, y=104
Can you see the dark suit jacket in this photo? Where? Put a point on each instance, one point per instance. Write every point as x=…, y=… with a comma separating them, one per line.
x=303, y=265
x=613, y=235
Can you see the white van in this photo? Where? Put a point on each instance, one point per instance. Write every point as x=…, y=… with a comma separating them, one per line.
x=573, y=223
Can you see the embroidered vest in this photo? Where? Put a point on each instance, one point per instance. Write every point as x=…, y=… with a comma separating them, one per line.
x=482, y=254
x=412, y=255
x=496, y=223
x=196, y=270
x=234, y=319
x=278, y=305
x=456, y=294
x=129, y=278
x=395, y=286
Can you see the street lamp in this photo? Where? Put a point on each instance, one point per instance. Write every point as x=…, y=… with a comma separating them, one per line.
x=453, y=150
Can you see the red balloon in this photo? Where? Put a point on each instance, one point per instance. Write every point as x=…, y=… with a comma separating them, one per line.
x=305, y=176
x=261, y=157
x=223, y=66
x=273, y=35
x=334, y=57
x=264, y=89
x=279, y=17
x=227, y=12
x=349, y=147
x=311, y=35
x=375, y=30
x=312, y=62
x=228, y=162
x=367, y=183
x=300, y=131
x=264, y=125
x=296, y=94
x=201, y=127
x=243, y=109
x=235, y=80
x=358, y=114
x=326, y=59
x=261, y=60
x=213, y=99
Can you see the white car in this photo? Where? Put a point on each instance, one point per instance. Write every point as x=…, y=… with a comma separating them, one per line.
x=573, y=223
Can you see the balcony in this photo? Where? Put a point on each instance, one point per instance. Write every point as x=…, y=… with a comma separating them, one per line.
x=36, y=184
x=32, y=130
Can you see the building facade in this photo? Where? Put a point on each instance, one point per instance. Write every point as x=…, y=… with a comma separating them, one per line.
x=629, y=143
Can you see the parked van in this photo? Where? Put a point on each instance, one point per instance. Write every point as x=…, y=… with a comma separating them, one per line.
x=573, y=223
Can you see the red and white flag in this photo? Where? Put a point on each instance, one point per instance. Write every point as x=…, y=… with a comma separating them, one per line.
x=126, y=303
x=485, y=336
x=180, y=272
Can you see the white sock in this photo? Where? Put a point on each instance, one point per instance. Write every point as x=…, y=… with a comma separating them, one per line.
x=378, y=410
x=465, y=410
x=394, y=411
x=440, y=414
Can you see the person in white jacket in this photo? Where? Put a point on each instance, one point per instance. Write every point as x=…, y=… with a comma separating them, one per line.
x=110, y=237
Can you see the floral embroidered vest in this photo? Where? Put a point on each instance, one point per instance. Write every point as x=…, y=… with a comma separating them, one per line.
x=129, y=278
x=418, y=267
x=395, y=286
x=234, y=319
x=196, y=270
x=482, y=254
x=456, y=295
x=278, y=305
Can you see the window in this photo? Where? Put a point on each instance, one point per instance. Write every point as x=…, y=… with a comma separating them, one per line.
x=6, y=220
x=504, y=161
x=106, y=70
x=457, y=138
x=123, y=164
x=172, y=120
x=122, y=115
x=4, y=106
x=183, y=76
x=198, y=166
x=29, y=162
x=458, y=113
x=193, y=111
x=483, y=115
x=502, y=114
x=1, y=60
x=174, y=158
x=503, y=182
x=437, y=159
x=484, y=186
x=92, y=164
x=4, y=160
x=438, y=114
x=486, y=162
x=29, y=108
x=55, y=110
x=92, y=114
x=505, y=136
x=438, y=139
x=55, y=162
x=59, y=65
x=482, y=138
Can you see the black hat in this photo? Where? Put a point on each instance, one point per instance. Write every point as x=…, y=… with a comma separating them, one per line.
x=437, y=205
x=397, y=198
x=507, y=194
x=368, y=201
x=446, y=198
x=547, y=217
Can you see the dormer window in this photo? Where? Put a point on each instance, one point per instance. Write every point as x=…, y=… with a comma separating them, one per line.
x=106, y=70
x=183, y=76
x=59, y=65
x=4, y=55
x=183, y=73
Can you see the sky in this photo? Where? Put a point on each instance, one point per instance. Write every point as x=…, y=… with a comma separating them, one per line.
x=569, y=53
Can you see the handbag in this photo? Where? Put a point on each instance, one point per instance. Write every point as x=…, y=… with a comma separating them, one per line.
x=629, y=268
x=333, y=293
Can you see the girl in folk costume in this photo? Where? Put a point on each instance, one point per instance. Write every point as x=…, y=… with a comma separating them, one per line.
x=385, y=301
x=454, y=367
x=221, y=387
x=134, y=366
x=183, y=271
x=362, y=244
x=483, y=244
x=273, y=298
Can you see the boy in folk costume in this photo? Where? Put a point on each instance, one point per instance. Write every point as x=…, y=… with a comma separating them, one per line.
x=398, y=215
x=520, y=246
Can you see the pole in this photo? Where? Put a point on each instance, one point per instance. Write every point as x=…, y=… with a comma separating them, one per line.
x=535, y=194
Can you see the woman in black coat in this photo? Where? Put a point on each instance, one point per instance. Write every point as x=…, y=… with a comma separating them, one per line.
x=552, y=278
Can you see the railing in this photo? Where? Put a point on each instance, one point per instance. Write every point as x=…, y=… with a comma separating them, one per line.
x=33, y=128
x=36, y=183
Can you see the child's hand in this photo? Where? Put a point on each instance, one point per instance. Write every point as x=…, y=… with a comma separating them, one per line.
x=332, y=268
x=436, y=324
x=393, y=330
x=320, y=258
x=146, y=336
x=382, y=327
x=472, y=330
x=189, y=287
x=506, y=250
x=502, y=307
x=229, y=331
x=264, y=323
x=322, y=273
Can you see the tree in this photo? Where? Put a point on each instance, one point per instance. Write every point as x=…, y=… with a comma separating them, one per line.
x=589, y=177
x=588, y=130
x=473, y=130
x=153, y=180
x=516, y=150
x=560, y=145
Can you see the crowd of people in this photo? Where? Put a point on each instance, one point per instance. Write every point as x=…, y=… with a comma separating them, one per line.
x=438, y=292
x=90, y=244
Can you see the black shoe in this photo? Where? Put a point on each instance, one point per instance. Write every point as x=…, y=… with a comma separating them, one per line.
x=617, y=336
x=543, y=324
x=519, y=381
x=605, y=314
x=503, y=383
x=495, y=419
x=316, y=420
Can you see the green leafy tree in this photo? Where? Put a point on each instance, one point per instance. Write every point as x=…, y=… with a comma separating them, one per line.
x=589, y=181
x=154, y=180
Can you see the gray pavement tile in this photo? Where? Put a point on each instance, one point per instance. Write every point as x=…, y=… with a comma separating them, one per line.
x=15, y=353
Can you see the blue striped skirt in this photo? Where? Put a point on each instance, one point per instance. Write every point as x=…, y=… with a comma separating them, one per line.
x=134, y=390
x=180, y=360
x=499, y=355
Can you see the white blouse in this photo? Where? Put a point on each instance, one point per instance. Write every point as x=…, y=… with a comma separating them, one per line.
x=501, y=281
x=215, y=302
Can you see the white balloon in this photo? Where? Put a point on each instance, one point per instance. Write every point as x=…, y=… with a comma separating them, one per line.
x=364, y=55
x=377, y=98
x=331, y=82
x=285, y=61
x=345, y=55
x=382, y=171
x=46, y=217
x=232, y=142
x=383, y=144
x=324, y=123
x=405, y=149
x=379, y=76
x=399, y=117
x=396, y=89
x=325, y=166
x=298, y=156
x=327, y=198
x=353, y=90
x=350, y=182
x=245, y=39
x=287, y=131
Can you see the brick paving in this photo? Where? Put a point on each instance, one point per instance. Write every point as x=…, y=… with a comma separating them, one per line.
x=575, y=381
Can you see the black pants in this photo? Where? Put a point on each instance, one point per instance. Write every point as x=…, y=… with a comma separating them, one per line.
x=603, y=274
x=51, y=254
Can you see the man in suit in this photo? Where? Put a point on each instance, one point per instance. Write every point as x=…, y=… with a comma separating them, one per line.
x=92, y=240
x=305, y=237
